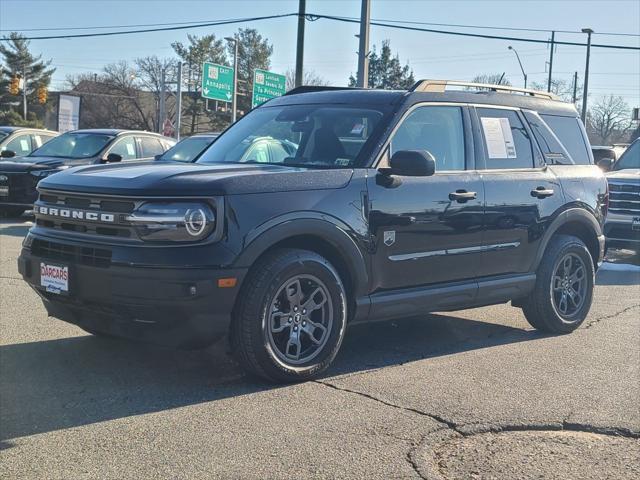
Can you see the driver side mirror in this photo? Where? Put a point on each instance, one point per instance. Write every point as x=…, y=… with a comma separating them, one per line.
x=7, y=154
x=412, y=163
x=606, y=163
x=113, y=158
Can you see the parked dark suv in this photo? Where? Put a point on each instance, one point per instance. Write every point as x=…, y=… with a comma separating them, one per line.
x=389, y=204
x=19, y=176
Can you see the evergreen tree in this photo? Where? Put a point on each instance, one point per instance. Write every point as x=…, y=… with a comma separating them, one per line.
x=386, y=71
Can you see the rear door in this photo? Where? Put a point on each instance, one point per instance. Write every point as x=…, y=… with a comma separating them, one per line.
x=428, y=230
x=521, y=192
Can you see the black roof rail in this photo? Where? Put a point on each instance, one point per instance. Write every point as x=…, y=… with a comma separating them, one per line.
x=315, y=88
x=439, y=86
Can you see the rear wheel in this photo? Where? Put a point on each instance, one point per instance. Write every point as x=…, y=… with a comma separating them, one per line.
x=564, y=287
x=291, y=316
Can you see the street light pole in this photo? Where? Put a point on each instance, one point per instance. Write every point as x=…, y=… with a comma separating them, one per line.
x=24, y=92
x=585, y=91
x=179, y=101
x=553, y=44
x=235, y=77
x=521, y=67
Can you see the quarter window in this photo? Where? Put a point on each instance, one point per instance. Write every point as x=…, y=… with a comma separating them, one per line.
x=151, y=147
x=568, y=130
x=507, y=143
x=438, y=130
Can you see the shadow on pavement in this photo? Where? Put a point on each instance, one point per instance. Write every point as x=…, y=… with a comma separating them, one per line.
x=69, y=382
x=16, y=227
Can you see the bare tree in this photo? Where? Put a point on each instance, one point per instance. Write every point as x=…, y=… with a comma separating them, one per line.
x=309, y=77
x=492, y=79
x=561, y=88
x=608, y=119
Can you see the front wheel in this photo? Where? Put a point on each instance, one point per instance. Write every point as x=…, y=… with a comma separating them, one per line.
x=291, y=316
x=564, y=287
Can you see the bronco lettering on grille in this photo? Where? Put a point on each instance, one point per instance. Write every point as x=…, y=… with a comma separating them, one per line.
x=76, y=214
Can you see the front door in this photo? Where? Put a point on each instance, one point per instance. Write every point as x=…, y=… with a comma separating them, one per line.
x=428, y=230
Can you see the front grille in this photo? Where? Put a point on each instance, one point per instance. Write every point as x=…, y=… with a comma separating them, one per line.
x=118, y=229
x=18, y=187
x=624, y=198
x=95, y=257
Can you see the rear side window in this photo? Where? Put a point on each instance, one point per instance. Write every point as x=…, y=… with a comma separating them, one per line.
x=126, y=148
x=568, y=130
x=151, y=147
x=507, y=143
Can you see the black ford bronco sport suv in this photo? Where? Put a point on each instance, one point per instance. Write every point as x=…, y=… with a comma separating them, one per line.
x=359, y=205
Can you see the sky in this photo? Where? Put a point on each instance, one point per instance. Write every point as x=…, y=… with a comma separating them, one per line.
x=330, y=47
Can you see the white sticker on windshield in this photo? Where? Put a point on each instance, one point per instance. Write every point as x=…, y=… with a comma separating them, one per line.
x=497, y=133
x=130, y=149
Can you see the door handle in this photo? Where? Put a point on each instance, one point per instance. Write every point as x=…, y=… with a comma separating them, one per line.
x=462, y=196
x=542, y=192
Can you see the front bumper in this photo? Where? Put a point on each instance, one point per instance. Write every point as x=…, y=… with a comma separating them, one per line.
x=620, y=231
x=18, y=189
x=181, y=307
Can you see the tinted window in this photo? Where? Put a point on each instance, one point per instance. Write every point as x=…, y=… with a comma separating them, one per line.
x=187, y=149
x=151, y=147
x=20, y=144
x=550, y=145
x=319, y=135
x=630, y=158
x=507, y=143
x=568, y=130
x=126, y=148
x=39, y=139
x=74, y=145
x=438, y=130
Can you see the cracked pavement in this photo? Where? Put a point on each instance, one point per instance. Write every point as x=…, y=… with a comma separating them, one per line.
x=470, y=394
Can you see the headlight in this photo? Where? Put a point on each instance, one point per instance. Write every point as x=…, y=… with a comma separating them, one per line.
x=173, y=222
x=46, y=173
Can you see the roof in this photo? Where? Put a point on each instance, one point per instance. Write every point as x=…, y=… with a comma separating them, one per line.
x=8, y=129
x=380, y=97
x=113, y=131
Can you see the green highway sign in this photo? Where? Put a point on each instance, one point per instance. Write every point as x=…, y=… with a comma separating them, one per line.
x=267, y=85
x=217, y=82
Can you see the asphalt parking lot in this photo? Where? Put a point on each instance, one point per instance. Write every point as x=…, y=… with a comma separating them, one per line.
x=470, y=394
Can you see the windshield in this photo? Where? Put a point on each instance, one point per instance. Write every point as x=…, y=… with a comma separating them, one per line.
x=188, y=149
x=73, y=145
x=299, y=135
x=630, y=158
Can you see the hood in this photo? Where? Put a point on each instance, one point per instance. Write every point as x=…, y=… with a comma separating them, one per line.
x=626, y=174
x=177, y=178
x=27, y=164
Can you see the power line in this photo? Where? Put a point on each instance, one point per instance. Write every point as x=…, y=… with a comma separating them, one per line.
x=314, y=17
x=163, y=29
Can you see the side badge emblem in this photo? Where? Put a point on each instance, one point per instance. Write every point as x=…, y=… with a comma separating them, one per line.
x=389, y=238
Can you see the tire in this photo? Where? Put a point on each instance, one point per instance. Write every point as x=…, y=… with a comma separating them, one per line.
x=266, y=332
x=562, y=296
x=12, y=212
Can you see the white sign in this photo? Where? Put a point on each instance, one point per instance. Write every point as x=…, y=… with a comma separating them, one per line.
x=68, y=113
x=497, y=134
x=54, y=278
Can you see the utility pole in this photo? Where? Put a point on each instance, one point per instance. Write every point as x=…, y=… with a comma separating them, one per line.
x=161, y=106
x=179, y=101
x=585, y=90
x=363, y=50
x=235, y=77
x=24, y=91
x=553, y=38
x=575, y=87
x=300, y=45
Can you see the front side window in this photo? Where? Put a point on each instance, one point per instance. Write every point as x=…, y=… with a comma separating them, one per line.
x=20, y=145
x=438, y=130
x=315, y=136
x=568, y=130
x=630, y=158
x=507, y=143
x=74, y=145
x=126, y=148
